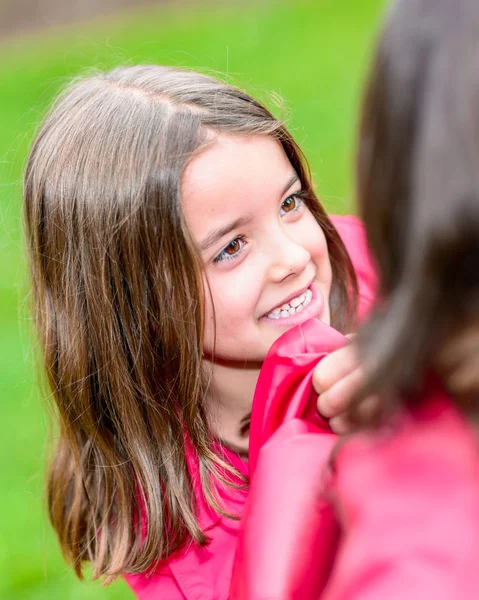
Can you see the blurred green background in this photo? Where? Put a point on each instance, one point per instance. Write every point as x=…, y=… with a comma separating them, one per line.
x=312, y=53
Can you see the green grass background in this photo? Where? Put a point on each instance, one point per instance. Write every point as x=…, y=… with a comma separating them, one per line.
x=312, y=53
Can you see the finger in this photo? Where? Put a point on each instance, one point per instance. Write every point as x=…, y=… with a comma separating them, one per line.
x=461, y=344
x=464, y=379
x=338, y=398
x=334, y=367
x=456, y=360
x=340, y=425
x=368, y=409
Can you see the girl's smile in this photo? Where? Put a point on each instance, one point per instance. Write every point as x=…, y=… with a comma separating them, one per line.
x=266, y=262
x=302, y=306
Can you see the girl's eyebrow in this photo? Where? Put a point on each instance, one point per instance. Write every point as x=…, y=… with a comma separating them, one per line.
x=293, y=179
x=215, y=235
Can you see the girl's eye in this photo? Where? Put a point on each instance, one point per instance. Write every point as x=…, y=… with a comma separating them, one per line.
x=291, y=204
x=231, y=250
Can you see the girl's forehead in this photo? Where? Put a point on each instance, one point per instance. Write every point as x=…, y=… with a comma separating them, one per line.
x=234, y=173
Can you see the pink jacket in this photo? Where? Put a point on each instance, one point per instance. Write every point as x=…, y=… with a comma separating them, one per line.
x=409, y=509
x=195, y=573
x=397, y=517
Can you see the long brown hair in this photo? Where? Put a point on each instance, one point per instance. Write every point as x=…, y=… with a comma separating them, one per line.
x=418, y=189
x=118, y=304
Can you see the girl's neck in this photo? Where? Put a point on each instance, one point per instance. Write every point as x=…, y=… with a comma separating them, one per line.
x=230, y=400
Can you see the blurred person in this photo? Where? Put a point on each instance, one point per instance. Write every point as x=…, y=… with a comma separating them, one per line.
x=393, y=511
x=418, y=193
x=174, y=235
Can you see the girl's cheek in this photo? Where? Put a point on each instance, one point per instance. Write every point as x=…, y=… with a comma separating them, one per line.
x=314, y=241
x=235, y=292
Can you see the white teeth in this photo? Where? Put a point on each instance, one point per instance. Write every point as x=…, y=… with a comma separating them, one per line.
x=307, y=300
x=288, y=309
x=295, y=302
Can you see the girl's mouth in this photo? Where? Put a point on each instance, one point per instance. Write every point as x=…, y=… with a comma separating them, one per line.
x=292, y=307
x=308, y=305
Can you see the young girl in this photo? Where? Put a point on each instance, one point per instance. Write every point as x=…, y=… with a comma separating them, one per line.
x=399, y=516
x=174, y=235
x=418, y=192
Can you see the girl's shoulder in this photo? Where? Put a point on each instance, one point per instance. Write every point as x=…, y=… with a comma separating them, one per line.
x=353, y=235
x=200, y=572
x=193, y=572
x=349, y=226
x=417, y=482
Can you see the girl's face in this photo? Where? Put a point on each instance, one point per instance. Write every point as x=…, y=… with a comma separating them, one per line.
x=265, y=256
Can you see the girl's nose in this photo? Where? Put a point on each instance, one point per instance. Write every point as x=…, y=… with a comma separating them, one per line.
x=289, y=258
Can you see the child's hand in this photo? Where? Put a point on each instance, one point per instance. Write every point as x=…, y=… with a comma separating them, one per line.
x=336, y=378
x=457, y=360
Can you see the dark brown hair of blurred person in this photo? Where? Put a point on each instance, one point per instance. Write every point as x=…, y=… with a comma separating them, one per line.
x=118, y=303
x=418, y=192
